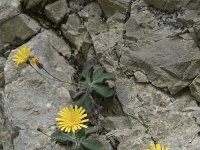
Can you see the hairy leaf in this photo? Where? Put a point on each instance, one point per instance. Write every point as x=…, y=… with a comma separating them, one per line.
x=87, y=68
x=74, y=94
x=62, y=137
x=92, y=130
x=85, y=102
x=100, y=75
x=91, y=144
x=103, y=90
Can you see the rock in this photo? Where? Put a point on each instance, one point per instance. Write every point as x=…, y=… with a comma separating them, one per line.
x=6, y=131
x=78, y=5
x=56, y=11
x=110, y=7
x=141, y=77
x=10, y=35
x=31, y=102
x=77, y=34
x=106, y=37
x=195, y=87
x=160, y=52
x=8, y=9
x=106, y=143
x=113, y=123
x=168, y=5
x=32, y=3
x=164, y=117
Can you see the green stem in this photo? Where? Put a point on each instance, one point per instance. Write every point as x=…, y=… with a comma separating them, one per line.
x=42, y=74
x=59, y=79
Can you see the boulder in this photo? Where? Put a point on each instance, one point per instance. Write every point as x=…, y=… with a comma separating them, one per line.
x=31, y=101
x=168, y=5
x=167, y=120
x=8, y=9
x=56, y=11
x=110, y=7
x=77, y=34
x=12, y=36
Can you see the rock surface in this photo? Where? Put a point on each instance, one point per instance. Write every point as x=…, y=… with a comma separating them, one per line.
x=56, y=11
x=77, y=34
x=33, y=99
x=152, y=46
x=27, y=28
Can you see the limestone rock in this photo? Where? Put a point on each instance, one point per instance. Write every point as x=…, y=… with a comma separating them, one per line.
x=31, y=101
x=169, y=120
x=56, y=11
x=106, y=37
x=10, y=35
x=168, y=56
x=141, y=77
x=195, y=87
x=113, y=123
x=32, y=3
x=168, y=5
x=77, y=34
x=110, y=7
x=8, y=9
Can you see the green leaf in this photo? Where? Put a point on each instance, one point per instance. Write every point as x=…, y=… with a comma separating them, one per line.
x=85, y=102
x=92, y=130
x=100, y=75
x=62, y=137
x=87, y=68
x=103, y=90
x=91, y=144
x=74, y=94
x=81, y=133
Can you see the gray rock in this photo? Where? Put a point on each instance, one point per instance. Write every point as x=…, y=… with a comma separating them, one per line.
x=105, y=36
x=168, y=5
x=32, y=3
x=31, y=101
x=56, y=11
x=10, y=35
x=141, y=77
x=155, y=114
x=113, y=123
x=8, y=9
x=161, y=53
x=77, y=34
x=195, y=87
x=110, y=7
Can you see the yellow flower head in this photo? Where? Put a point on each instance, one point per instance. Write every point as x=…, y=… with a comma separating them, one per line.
x=157, y=147
x=34, y=60
x=22, y=56
x=72, y=119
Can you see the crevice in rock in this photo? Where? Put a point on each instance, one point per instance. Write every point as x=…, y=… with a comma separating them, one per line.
x=128, y=12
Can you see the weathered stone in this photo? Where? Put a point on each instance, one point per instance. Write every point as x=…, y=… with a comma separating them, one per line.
x=8, y=9
x=32, y=3
x=165, y=118
x=113, y=123
x=195, y=88
x=110, y=7
x=56, y=11
x=10, y=35
x=77, y=34
x=168, y=5
x=31, y=101
x=105, y=36
x=161, y=53
x=141, y=77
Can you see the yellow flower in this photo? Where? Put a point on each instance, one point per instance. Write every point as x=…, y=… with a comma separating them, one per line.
x=34, y=60
x=72, y=119
x=157, y=147
x=22, y=56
